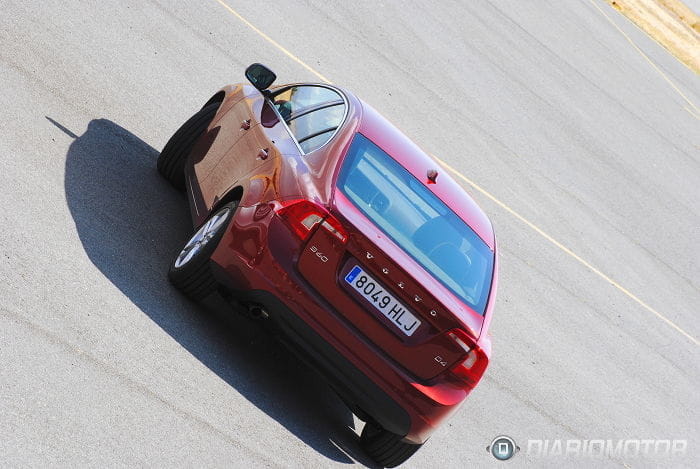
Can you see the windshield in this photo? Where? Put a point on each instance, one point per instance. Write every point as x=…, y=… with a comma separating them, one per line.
x=417, y=221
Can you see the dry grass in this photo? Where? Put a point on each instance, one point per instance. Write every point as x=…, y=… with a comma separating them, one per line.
x=670, y=23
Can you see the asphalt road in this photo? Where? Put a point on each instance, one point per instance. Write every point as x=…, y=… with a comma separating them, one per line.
x=545, y=105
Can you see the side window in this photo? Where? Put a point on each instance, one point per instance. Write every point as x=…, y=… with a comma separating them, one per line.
x=313, y=113
x=297, y=98
x=315, y=128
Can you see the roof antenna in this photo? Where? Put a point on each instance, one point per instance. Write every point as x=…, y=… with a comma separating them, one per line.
x=432, y=176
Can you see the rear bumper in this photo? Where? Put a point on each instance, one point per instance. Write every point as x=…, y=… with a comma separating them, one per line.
x=354, y=387
x=257, y=257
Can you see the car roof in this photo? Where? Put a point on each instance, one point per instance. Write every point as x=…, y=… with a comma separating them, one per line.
x=386, y=136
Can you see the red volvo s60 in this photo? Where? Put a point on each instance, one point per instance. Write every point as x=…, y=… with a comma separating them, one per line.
x=318, y=215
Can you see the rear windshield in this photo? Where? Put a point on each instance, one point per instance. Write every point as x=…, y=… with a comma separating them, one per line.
x=418, y=221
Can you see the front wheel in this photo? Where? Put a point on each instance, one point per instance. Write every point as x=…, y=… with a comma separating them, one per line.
x=384, y=447
x=171, y=161
x=190, y=271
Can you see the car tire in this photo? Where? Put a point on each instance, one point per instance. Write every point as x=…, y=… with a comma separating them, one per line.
x=385, y=448
x=190, y=271
x=171, y=161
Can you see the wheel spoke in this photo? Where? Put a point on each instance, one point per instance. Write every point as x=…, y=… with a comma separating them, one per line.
x=201, y=237
x=218, y=221
x=188, y=255
x=207, y=226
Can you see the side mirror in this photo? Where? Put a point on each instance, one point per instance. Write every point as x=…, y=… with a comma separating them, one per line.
x=260, y=76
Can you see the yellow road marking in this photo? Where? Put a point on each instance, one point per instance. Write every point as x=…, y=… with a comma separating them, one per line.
x=273, y=42
x=646, y=57
x=565, y=249
x=493, y=198
x=690, y=111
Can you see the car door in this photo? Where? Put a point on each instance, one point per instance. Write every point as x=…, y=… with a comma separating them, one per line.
x=310, y=115
x=265, y=140
x=258, y=146
x=224, y=132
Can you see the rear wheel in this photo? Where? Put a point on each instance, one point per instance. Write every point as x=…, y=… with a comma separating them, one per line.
x=190, y=272
x=384, y=447
x=171, y=161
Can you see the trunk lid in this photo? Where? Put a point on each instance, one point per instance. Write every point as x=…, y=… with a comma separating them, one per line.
x=398, y=307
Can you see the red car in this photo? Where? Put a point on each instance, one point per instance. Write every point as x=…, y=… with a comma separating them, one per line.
x=322, y=218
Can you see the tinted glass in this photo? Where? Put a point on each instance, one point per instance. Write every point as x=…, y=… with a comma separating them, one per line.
x=418, y=221
x=313, y=143
x=307, y=126
x=299, y=97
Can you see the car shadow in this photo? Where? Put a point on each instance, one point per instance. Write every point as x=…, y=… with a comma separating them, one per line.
x=131, y=223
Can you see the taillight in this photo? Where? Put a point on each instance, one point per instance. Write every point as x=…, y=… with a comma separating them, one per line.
x=335, y=228
x=302, y=216
x=471, y=369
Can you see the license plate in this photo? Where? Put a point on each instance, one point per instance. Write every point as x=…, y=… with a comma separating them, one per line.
x=382, y=300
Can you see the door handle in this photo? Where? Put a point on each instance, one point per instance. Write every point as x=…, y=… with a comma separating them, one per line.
x=245, y=125
x=263, y=153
